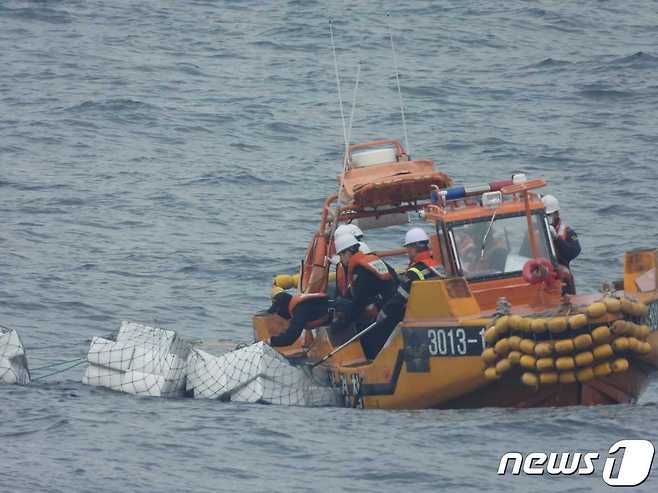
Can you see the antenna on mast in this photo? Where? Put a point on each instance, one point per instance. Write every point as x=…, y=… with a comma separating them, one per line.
x=397, y=80
x=356, y=90
x=340, y=97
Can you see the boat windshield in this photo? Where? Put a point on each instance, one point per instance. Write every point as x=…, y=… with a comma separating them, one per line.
x=497, y=245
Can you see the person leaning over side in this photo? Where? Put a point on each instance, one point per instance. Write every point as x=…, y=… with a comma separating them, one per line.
x=565, y=240
x=302, y=312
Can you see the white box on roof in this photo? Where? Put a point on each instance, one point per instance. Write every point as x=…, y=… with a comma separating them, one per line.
x=369, y=157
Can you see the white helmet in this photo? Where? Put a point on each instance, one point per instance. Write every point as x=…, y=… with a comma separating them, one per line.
x=345, y=241
x=551, y=204
x=351, y=229
x=415, y=235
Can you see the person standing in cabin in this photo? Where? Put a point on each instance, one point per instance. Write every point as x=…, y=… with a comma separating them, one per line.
x=565, y=240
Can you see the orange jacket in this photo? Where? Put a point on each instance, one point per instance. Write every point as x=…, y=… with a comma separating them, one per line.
x=370, y=262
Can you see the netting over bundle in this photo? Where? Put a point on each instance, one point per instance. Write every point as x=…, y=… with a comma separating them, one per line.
x=13, y=362
x=255, y=373
x=149, y=361
x=140, y=360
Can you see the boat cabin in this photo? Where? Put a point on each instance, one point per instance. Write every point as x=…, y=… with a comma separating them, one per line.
x=488, y=235
x=484, y=234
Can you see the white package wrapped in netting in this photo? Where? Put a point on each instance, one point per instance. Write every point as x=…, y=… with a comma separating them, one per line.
x=13, y=362
x=142, y=360
x=255, y=373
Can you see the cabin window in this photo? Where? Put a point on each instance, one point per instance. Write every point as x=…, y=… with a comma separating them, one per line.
x=496, y=246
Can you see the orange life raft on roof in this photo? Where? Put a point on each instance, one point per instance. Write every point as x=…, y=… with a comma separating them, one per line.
x=380, y=173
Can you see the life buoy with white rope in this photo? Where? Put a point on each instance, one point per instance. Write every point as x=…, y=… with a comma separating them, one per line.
x=538, y=270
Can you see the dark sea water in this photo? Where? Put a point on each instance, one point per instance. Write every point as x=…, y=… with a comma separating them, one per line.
x=160, y=161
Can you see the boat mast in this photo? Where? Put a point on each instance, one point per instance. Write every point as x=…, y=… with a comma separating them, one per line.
x=397, y=80
x=347, y=132
x=340, y=97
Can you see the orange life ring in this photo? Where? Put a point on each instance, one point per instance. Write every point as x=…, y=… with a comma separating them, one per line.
x=538, y=270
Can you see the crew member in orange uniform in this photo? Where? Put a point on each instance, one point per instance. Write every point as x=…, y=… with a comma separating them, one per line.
x=369, y=284
x=303, y=312
x=422, y=266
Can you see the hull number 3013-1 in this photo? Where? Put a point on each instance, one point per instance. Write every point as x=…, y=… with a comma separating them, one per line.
x=456, y=341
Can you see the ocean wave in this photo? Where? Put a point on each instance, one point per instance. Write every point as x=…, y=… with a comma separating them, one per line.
x=639, y=60
x=603, y=91
x=113, y=105
x=38, y=13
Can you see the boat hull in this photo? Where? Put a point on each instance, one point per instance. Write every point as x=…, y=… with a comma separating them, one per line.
x=622, y=388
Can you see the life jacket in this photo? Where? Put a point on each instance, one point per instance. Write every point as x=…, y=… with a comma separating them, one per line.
x=562, y=231
x=370, y=262
x=342, y=286
x=301, y=297
x=424, y=265
x=564, y=271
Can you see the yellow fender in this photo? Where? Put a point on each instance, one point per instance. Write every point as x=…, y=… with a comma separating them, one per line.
x=565, y=346
x=596, y=310
x=583, y=341
x=558, y=324
x=530, y=379
x=544, y=364
x=619, y=365
x=586, y=358
x=565, y=363
x=502, y=347
x=602, y=334
x=548, y=378
x=603, y=352
x=585, y=375
x=567, y=377
x=529, y=362
x=543, y=349
x=613, y=305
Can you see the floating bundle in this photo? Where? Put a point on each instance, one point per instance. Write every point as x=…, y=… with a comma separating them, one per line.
x=156, y=362
x=596, y=342
x=141, y=360
x=255, y=373
x=13, y=362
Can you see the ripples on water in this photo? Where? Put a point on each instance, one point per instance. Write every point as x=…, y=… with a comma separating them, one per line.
x=160, y=161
